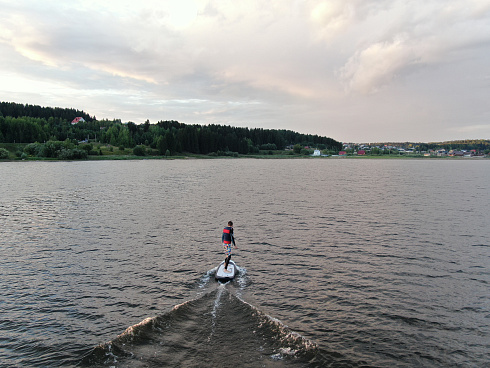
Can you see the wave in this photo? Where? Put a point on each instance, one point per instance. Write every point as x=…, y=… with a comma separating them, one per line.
x=217, y=329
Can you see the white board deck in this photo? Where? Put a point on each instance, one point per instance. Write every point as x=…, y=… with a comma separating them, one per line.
x=220, y=273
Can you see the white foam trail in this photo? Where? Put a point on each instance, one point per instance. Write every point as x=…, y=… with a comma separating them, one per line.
x=203, y=282
x=214, y=313
x=287, y=334
x=242, y=277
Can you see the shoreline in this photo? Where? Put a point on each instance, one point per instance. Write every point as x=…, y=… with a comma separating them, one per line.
x=257, y=157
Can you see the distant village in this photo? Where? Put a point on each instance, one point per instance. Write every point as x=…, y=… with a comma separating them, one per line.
x=369, y=149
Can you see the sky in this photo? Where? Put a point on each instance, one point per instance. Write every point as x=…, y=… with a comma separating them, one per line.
x=353, y=70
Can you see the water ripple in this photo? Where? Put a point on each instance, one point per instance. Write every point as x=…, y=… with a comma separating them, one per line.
x=364, y=259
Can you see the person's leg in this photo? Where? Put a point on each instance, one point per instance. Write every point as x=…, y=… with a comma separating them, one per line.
x=227, y=255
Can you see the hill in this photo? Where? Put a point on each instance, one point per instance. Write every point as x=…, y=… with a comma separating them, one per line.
x=29, y=123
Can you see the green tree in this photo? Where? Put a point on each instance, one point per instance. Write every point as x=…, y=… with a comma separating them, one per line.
x=4, y=154
x=123, y=138
x=51, y=149
x=112, y=134
x=33, y=149
x=139, y=151
x=132, y=127
x=161, y=145
x=170, y=141
x=87, y=147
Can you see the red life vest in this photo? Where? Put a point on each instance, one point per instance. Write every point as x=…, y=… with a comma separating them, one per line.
x=227, y=235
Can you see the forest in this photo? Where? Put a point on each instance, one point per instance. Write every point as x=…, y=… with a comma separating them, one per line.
x=35, y=124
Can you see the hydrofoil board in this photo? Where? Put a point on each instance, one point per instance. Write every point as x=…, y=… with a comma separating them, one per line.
x=223, y=276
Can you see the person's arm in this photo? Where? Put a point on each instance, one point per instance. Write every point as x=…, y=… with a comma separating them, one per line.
x=233, y=240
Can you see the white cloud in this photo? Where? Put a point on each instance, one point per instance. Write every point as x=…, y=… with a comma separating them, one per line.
x=429, y=35
x=377, y=65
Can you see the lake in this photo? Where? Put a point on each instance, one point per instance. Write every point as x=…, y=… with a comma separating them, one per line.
x=343, y=263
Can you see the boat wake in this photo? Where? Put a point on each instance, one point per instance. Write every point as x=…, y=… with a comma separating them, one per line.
x=216, y=329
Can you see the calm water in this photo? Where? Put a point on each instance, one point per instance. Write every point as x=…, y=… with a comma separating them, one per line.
x=344, y=263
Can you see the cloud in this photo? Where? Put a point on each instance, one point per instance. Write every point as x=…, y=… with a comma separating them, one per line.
x=320, y=66
x=331, y=18
x=429, y=35
x=376, y=66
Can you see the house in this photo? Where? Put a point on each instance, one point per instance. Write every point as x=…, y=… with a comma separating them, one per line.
x=77, y=120
x=316, y=153
x=361, y=152
x=456, y=153
x=342, y=153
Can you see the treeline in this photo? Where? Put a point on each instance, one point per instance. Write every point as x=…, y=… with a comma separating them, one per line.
x=481, y=145
x=17, y=110
x=40, y=124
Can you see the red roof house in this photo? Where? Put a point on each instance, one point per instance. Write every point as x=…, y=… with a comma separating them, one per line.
x=77, y=120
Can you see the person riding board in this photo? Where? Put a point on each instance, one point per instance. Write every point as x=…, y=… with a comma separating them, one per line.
x=228, y=238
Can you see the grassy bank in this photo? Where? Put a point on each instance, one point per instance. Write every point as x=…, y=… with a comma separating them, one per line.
x=107, y=152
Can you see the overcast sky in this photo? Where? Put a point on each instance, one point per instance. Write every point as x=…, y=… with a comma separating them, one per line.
x=353, y=70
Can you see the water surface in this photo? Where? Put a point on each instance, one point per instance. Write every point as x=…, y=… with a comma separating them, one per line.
x=343, y=262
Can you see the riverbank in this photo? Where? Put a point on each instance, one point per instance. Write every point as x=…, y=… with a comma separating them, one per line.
x=17, y=152
x=258, y=157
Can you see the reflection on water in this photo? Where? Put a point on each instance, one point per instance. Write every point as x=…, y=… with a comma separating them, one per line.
x=376, y=262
